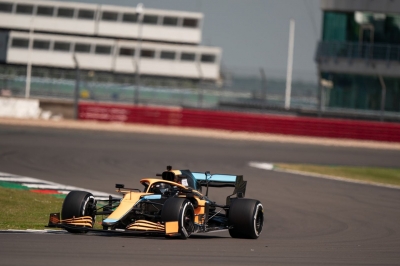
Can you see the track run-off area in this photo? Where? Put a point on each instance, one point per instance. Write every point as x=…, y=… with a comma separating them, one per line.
x=309, y=221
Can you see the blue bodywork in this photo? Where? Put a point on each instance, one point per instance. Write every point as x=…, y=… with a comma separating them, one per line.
x=215, y=178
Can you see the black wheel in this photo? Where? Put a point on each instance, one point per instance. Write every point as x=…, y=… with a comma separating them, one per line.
x=78, y=204
x=181, y=210
x=246, y=216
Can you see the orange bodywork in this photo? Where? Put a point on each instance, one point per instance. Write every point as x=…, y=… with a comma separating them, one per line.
x=131, y=198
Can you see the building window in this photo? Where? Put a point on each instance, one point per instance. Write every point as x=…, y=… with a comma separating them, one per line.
x=65, y=12
x=150, y=19
x=169, y=55
x=103, y=49
x=45, y=11
x=126, y=51
x=85, y=14
x=20, y=43
x=24, y=9
x=188, y=56
x=147, y=53
x=367, y=27
x=361, y=92
x=129, y=17
x=109, y=16
x=207, y=58
x=335, y=26
x=6, y=7
x=170, y=21
x=41, y=45
x=62, y=46
x=82, y=48
x=190, y=22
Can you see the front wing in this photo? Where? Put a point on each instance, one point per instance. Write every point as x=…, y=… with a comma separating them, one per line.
x=140, y=227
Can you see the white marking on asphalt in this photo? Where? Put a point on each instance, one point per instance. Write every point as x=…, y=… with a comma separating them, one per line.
x=34, y=183
x=269, y=166
x=6, y=174
x=20, y=179
x=33, y=231
x=265, y=166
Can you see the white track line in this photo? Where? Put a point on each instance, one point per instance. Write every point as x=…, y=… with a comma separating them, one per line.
x=34, y=183
x=271, y=167
x=33, y=231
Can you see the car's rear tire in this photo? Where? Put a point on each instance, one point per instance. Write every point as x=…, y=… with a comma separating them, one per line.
x=246, y=217
x=181, y=210
x=78, y=204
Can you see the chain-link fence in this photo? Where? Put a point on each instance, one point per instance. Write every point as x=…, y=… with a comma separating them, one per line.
x=259, y=89
x=236, y=90
x=244, y=90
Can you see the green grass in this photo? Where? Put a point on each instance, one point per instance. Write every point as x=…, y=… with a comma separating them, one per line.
x=23, y=209
x=389, y=176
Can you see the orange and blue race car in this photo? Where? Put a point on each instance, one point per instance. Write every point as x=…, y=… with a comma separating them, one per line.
x=172, y=204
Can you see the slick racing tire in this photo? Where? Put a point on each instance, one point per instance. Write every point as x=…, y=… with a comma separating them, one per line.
x=78, y=204
x=181, y=210
x=246, y=217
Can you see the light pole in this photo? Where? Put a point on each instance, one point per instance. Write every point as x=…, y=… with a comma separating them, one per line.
x=289, y=65
x=76, y=91
x=139, y=12
x=383, y=96
x=200, y=98
x=29, y=63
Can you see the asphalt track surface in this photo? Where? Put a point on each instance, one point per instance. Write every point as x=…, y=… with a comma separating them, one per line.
x=309, y=221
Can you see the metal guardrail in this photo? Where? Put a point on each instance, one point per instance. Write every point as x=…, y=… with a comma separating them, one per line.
x=357, y=50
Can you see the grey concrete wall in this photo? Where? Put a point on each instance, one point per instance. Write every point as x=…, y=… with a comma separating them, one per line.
x=58, y=107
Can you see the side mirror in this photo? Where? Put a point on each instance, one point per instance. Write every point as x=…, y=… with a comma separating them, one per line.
x=119, y=186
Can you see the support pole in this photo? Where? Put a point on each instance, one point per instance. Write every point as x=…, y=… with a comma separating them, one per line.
x=76, y=92
x=320, y=88
x=289, y=65
x=200, y=92
x=263, y=85
x=139, y=12
x=383, y=97
x=29, y=64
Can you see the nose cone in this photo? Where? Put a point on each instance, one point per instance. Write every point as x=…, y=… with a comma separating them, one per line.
x=109, y=222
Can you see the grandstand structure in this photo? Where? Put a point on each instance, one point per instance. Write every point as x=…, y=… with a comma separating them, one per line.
x=358, y=58
x=114, y=40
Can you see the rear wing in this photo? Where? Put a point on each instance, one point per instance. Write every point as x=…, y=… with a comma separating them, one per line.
x=222, y=180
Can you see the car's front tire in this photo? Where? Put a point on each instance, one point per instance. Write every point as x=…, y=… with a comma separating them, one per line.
x=78, y=204
x=181, y=210
x=246, y=217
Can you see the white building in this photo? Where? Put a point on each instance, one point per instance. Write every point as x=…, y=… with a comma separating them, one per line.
x=358, y=57
x=106, y=38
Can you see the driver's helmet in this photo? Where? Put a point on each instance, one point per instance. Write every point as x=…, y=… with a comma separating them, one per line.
x=161, y=188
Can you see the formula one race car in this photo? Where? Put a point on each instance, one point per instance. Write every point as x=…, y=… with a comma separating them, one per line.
x=172, y=205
